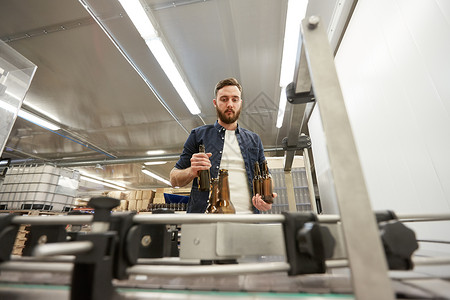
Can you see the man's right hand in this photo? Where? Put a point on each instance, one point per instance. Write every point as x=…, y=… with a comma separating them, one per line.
x=182, y=177
x=200, y=161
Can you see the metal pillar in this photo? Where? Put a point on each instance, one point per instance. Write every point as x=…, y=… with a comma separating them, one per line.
x=290, y=191
x=312, y=196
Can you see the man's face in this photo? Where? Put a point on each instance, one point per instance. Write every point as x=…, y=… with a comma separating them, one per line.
x=228, y=104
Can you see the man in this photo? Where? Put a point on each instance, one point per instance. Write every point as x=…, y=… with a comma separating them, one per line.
x=228, y=146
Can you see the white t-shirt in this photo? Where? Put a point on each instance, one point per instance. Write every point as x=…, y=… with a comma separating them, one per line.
x=233, y=161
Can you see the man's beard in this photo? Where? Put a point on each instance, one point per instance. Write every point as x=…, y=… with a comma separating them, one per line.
x=228, y=119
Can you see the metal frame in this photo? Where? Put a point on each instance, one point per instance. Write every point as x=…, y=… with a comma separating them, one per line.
x=298, y=117
x=312, y=196
x=226, y=230
x=214, y=232
x=366, y=257
x=207, y=218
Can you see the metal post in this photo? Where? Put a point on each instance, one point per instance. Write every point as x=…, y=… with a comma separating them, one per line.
x=312, y=195
x=367, y=262
x=290, y=191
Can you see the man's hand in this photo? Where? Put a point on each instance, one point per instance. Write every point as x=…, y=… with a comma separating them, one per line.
x=200, y=161
x=182, y=177
x=259, y=203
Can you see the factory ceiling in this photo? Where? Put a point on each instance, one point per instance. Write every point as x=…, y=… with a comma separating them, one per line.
x=97, y=79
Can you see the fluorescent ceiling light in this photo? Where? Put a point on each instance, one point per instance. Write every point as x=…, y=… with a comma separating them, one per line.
x=29, y=117
x=102, y=182
x=281, y=107
x=8, y=107
x=37, y=120
x=154, y=163
x=12, y=95
x=139, y=18
x=143, y=24
x=147, y=172
x=295, y=13
x=165, y=61
x=155, y=152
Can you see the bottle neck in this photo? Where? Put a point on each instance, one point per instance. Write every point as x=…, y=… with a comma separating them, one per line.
x=257, y=170
x=265, y=168
x=214, y=190
x=224, y=190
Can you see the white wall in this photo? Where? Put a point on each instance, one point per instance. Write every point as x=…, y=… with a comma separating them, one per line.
x=394, y=68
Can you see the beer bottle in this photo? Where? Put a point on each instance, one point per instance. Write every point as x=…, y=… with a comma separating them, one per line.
x=257, y=180
x=204, y=176
x=212, y=206
x=224, y=205
x=267, y=193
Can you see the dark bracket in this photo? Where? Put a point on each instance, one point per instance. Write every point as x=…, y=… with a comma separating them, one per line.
x=115, y=250
x=102, y=207
x=8, y=233
x=298, y=98
x=127, y=250
x=399, y=241
x=42, y=234
x=303, y=142
x=158, y=241
x=385, y=215
x=308, y=244
x=93, y=271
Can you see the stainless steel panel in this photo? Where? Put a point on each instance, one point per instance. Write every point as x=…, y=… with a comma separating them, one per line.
x=198, y=241
x=250, y=239
x=230, y=240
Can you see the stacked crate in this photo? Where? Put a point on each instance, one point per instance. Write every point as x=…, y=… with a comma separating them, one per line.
x=159, y=200
x=147, y=199
x=122, y=196
x=21, y=239
x=138, y=200
x=301, y=191
x=39, y=187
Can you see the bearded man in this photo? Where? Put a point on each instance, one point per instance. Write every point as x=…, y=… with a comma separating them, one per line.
x=227, y=146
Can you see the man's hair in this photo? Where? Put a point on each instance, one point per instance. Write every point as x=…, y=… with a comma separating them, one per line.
x=226, y=82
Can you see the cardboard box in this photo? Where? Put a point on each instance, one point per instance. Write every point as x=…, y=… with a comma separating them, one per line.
x=157, y=200
x=115, y=194
x=132, y=195
x=145, y=204
x=123, y=205
x=132, y=205
x=139, y=205
x=163, y=190
x=148, y=195
x=182, y=191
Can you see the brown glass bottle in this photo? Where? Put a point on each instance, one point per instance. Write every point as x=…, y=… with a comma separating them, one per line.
x=267, y=193
x=224, y=205
x=204, y=177
x=212, y=202
x=257, y=180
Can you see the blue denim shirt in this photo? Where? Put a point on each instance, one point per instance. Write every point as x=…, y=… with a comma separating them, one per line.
x=213, y=137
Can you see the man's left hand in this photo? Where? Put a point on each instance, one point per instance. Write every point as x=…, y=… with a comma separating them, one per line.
x=259, y=203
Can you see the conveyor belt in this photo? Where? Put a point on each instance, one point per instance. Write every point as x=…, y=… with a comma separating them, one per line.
x=268, y=271
x=147, y=281
x=45, y=292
